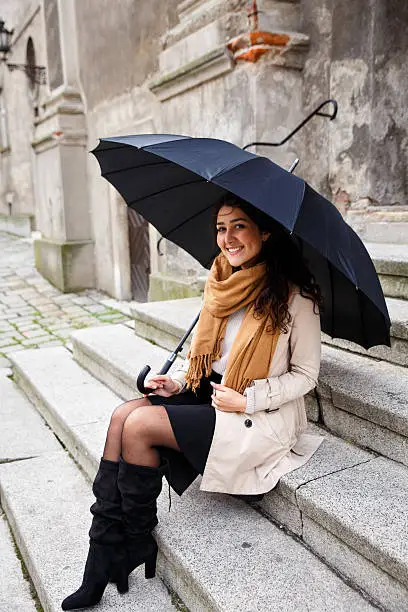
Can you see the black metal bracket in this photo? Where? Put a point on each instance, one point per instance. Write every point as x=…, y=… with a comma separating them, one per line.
x=37, y=74
x=317, y=111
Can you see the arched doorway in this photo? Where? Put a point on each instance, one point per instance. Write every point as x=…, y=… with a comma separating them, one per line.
x=33, y=85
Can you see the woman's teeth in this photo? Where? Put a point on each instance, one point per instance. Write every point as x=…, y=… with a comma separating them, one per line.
x=234, y=250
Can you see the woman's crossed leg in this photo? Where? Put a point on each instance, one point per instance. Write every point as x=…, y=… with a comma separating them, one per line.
x=136, y=428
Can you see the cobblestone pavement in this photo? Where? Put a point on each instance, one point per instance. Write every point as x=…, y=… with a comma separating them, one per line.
x=33, y=313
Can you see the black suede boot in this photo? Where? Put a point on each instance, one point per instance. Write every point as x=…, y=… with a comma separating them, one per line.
x=107, y=560
x=139, y=487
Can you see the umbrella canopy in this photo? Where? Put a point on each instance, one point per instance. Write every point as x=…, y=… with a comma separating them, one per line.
x=174, y=181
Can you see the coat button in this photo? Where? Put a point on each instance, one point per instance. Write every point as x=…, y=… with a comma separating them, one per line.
x=248, y=423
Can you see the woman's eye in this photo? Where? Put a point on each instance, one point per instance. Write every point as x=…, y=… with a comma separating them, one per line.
x=220, y=229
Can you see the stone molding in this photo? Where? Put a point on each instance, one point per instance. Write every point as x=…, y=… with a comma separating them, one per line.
x=284, y=48
x=196, y=14
x=62, y=123
x=207, y=67
x=68, y=265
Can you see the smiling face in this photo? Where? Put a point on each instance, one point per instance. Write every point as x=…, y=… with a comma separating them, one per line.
x=238, y=237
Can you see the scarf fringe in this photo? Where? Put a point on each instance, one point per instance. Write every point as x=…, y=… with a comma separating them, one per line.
x=199, y=366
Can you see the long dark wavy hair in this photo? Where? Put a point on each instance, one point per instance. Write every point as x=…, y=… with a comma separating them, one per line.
x=285, y=266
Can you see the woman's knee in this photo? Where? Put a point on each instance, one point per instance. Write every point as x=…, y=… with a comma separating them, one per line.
x=145, y=426
x=122, y=412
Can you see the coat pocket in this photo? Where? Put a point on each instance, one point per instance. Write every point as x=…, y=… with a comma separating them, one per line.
x=278, y=427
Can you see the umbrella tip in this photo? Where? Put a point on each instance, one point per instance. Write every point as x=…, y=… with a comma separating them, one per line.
x=293, y=166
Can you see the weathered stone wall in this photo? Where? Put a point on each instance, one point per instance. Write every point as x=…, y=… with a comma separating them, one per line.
x=118, y=45
x=357, y=55
x=16, y=163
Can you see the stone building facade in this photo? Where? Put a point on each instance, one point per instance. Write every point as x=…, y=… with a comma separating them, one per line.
x=240, y=70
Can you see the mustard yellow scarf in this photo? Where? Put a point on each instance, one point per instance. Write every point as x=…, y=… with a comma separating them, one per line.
x=254, y=345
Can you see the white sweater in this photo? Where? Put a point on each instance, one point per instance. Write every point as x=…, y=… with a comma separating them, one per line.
x=220, y=365
x=231, y=330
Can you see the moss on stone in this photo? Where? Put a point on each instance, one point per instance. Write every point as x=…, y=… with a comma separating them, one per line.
x=167, y=288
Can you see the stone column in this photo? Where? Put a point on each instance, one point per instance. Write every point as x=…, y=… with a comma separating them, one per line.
x=64, y=255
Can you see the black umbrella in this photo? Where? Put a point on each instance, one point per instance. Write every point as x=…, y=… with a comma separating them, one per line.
x=174, y=181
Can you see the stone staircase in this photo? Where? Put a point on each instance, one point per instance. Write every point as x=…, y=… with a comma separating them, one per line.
x=332, y=535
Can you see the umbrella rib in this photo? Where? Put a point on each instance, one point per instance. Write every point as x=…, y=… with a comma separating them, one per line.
x=331, y=297
x=174, y=229
x=158, y=163
x=151, y=195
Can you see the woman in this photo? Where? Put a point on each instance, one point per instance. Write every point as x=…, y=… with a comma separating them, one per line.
x=234, y=413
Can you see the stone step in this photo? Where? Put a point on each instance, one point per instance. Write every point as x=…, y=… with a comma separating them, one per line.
x=282, y=504
x=255, y=560
x=164, y=323
x=391, y=263
x=45, y=498
x=15, y=592
x=121, y=360
x=362, y=399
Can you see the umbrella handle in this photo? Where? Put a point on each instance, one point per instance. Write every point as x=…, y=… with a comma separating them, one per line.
x=168, y=363
x=141, y=378
x=145, y=371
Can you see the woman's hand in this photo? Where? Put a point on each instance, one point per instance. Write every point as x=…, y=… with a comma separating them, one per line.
x=162, y=385
x=227, y=399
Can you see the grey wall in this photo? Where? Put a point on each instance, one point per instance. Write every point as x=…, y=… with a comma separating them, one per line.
x=119, y=44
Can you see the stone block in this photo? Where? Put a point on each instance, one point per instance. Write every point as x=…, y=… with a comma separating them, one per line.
x=271, y=570
x=115, y=356
x=389, y=259
x=57, y=384
x=206, y=67
x=167, y=288
x=67, y=265
x=390, y=594
x=333, y=455
x=14, y=588
x=397, y=353
x=394, y=286
x=365, y=433
x=21, y=225
x=282, y=511
x=375, y=391
x=366, y=507
x=166, y=322
x=391, y=263
x=23, y=433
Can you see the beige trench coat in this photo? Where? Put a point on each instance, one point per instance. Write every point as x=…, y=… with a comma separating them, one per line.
x=251, y=451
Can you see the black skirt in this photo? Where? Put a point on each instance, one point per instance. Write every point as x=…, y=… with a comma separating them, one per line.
x=192, y=419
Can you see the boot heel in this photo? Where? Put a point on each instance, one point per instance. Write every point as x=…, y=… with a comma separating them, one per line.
x=150, y=565
x=123, y=584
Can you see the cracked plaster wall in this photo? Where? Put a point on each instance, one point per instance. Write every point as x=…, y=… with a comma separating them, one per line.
x=357, y=55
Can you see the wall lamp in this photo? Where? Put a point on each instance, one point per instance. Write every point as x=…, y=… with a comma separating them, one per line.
x=36, y=74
